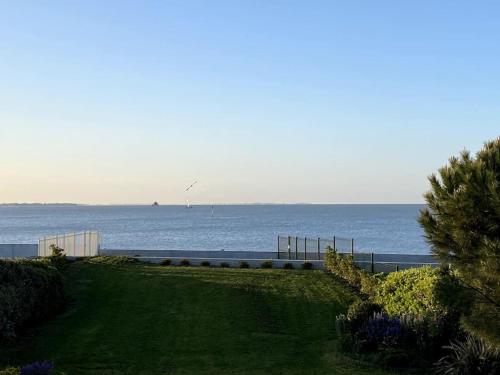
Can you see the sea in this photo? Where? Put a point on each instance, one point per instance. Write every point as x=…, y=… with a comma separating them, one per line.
x=375, y=228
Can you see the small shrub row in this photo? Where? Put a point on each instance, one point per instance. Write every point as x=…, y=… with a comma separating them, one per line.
x=30, y=291
x=114, y=260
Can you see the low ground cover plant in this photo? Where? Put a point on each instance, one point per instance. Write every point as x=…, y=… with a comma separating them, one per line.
x=205, y=263
x=224, y=265
x=30, y=291
x=244, y=264
x=288, y=266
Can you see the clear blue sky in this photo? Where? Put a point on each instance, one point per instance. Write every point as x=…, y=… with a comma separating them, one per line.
x=261, y=101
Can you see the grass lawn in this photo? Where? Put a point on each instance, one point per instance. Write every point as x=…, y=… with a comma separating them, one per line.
x=147, y=319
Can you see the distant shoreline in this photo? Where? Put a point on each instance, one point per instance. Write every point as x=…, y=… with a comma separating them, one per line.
x=208, y=204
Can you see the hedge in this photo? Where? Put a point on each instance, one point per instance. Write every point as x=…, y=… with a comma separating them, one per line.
x=30, y=291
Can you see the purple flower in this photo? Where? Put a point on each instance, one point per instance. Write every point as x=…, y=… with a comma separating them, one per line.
x=37, y=368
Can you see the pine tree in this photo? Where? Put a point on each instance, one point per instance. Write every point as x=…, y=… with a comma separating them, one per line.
x=462, y=225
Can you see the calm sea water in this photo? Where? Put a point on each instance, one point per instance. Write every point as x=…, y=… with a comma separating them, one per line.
x=377, y=228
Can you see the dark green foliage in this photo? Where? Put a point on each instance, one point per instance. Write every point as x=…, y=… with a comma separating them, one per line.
x=112, y=260
x=205, y=263
x=288, y=266
x=411, y=291
x=462, y=225
x=184, y=263
x=244, y=264
x=472, y=356
x=166, y=262
x=30, y=291
x=307, y=266
x=343, y=267
x=267, y=264
x=224, y=265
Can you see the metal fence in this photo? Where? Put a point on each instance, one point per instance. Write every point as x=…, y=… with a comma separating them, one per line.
x=74, y=244
x=303, y=248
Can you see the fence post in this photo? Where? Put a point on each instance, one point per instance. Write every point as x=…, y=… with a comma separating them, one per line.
x=305, y=248
x=397, y=267
x=288, y=247
x=296, y=248
x=373, y=268
x=278, y=247
x=334, y=245
x=319, y=254
x=352, y=247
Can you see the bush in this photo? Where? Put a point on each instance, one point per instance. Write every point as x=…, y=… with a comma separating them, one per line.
x=343, y=267
x=112, y=260
x=30, y=291
x=205, y=263
x=37, y=368
x=10, y=371
x=184, y=263
x=244, y=265
x=224, y=265
x=267, y=264
x=288, y=266
x=307, y=266
x=411, y=291
x=470, y=357
x=57, y=257
x=166, y=262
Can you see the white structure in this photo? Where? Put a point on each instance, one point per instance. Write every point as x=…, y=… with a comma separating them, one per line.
x=83, y=244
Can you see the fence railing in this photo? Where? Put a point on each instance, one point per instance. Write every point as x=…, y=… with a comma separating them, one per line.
x=74, y=244
x=304, y=248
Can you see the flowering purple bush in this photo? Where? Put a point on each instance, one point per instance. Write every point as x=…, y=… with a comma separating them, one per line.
x=380, y=328
x=38, y=368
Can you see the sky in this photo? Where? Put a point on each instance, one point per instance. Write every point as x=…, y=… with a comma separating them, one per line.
x=114, y=102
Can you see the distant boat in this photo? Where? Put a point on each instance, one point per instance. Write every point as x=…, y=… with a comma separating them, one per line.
x=155, y=203
x=187, y=190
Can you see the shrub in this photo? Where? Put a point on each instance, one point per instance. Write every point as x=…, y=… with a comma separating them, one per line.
x=37, y=368
x=244, y=264
x=166, y=262
x=205, y=263
x=184, y=263
x=288, y=266
x=360, y=311
x=343, y=267
x=57, y=257
x=115, y=260
x=10, y=371
x=267, y=264
x=224, y=265
x=307, y=266
x=30, y=291
x=470, y=357
x=411, y=291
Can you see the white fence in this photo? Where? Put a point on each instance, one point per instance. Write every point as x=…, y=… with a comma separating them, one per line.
x=82, y=244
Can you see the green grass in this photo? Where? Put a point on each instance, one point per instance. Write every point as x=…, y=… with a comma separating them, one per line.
x=146, y=319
